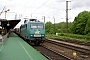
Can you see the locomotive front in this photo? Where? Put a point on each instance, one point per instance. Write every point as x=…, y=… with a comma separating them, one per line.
x=33, y=31
x=37, y=32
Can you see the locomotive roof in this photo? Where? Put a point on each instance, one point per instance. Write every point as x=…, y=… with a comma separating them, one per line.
x=33, y=19
x=36, y=22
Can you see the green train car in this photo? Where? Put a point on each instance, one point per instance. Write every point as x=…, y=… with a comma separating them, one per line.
x=33, y=31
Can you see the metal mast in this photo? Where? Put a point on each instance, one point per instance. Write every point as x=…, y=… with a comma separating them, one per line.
x=67, y=16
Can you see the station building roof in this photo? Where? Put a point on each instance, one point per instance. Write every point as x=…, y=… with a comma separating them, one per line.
x=9, y=24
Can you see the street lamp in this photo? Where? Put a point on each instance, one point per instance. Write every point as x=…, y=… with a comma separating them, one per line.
x=8, y=24
x=6, y=12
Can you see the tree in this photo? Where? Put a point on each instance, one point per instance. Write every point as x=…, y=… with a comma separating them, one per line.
x=87, y=28
x=81, y=23
x=51, y=28
x=48, y=27
x=61, y=27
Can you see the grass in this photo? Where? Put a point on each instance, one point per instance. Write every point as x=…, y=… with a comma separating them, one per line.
x=65, y=36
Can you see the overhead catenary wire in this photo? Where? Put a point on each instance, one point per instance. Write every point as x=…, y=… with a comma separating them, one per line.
x=26, y=3
x=32, y=5
x=40, y=6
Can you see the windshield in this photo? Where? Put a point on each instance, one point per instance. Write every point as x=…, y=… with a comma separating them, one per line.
x=37, y=26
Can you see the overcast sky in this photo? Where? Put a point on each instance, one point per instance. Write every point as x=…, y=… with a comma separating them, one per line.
x=48, y=8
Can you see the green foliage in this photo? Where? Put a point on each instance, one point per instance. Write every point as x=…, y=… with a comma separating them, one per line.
x=51, y=28
x=87, y=28
x=75, y=36
x=79, y=28
x=81, y=23
x=62, y=26
x=56, y=28
x=65, y=36
x=48, y=27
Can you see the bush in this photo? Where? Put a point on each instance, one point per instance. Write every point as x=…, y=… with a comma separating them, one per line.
x=61, y=34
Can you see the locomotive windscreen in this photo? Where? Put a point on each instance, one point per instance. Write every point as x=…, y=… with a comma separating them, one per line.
x=37, y=26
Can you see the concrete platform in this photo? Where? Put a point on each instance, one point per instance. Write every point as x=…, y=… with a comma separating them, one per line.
x=15, y=48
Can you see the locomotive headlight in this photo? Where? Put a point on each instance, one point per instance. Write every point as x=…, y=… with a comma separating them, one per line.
x=31, y=35
x=42, y=35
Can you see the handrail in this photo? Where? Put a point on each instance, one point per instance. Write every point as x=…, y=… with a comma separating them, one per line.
x=3, y=39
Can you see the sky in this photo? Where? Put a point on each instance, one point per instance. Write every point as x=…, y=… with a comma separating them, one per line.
x=39, y=8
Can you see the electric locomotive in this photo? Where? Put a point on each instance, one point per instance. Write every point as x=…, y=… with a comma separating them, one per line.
x=33, y=31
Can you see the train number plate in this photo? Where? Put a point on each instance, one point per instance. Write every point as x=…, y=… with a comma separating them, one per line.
x=37, y=35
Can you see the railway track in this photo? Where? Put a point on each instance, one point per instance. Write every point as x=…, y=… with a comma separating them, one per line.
x=69, y=50
x=65, y=50
x=50, y=54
